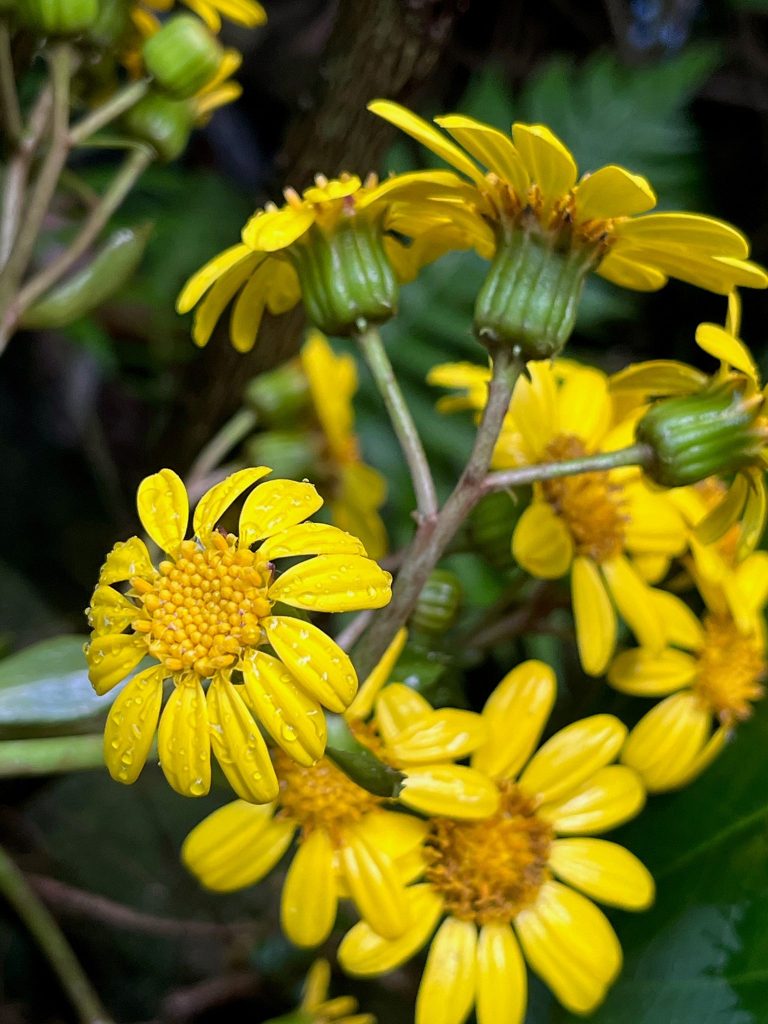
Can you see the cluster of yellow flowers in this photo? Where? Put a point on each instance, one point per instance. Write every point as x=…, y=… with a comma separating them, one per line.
x=485, y=849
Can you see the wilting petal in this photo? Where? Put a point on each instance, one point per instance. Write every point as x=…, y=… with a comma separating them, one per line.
x=374, y=884
x=111, y=658
x=310, y=539
x=573, y=754
x=502, y=982
x=605, y=871
x=131, y=723
x=238, y=745
x=128, y=558
x=606, y=799
x=334, y=583
x=542, y=543
x=595, y=618
x=275, y=506
x=364, y=953
x=448, y=985
x=308, y=904
x=215, y=502
x=183, y=740
x=667, y=740
x=445, y=735
x=645, y=674
x=450, y=791
x=319, y=664
x=164, y=509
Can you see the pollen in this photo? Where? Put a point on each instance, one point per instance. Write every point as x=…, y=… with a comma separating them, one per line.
x=592, y=507
x=320, y=796
x=488, y=871
x=731, y=670
x=205, y=607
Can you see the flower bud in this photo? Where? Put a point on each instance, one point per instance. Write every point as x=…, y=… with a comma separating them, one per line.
x=59, y=17
x=183, y=56
x=717, y=431
x=530, y=297
x=438, y=604
x=492, y=523
x=291, y=454
x=112, y=25
x=163, y=122
x=280, y=395
x=345, y=276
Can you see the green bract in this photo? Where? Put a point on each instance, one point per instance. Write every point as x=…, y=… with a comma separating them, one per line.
x=183, y=56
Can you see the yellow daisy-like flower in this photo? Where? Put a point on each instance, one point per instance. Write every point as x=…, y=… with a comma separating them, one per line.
x=243, y=12
x=711, y=676
x=609, y=529
x=328, y=248
x=350, y=844
x=206, y=611
x=507, y=887
x=532, y=178
x=317, y=1008
x=359, y=490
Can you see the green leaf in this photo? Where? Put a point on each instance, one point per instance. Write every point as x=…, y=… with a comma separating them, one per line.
x=47, y=684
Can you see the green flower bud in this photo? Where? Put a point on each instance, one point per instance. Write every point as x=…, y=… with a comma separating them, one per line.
x=291, y=454
x=438, y=604
x=183, y=56
x=345, y=276
x=530, y=297
x=112, y=25
x=163, y=122
x=717, y=431
x=493, y=520
x=59, y=17
x=280, y=395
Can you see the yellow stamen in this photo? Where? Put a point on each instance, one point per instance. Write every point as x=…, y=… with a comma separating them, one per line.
x=731, y=667
x=492, y=869
x=591, y=506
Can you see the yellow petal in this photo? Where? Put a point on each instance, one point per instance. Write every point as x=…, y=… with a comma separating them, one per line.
x=724, y=515
x=573, y=754
x=655, y=526
x=645, y=674
x=238, y=744
x=755, y=512
x=515, y=715
x=534, y=409
x=292, y=718
x=131, y=723
x=606, y=799
x=362, y=705
x=361, y=492
x=449, y=982
x=275, y=506
x=236, y=846
x=215, y=502
x=502, y=982
x=319, y=664
x=374, y=884
x=613, y=191
x=489, y=146
x=110, y=611
x=594, y=616
x=393, y=834
x=397, y=708
x=316, y=985
x=542, y=543
x=111, y=658
x=630, y=592
x=605, y=871
x=248, y=310
x=164, y=509
x=667, y=740
x=571, y=946
x=271, y=230
x=334, y=583
x=310, y=539
x=585, y=406
x=209, y=312
x=658, y=377
x=627, y=271
x=681, y=626
x=183, y=741
x=428, y=136
x=449, y=791
x=548, y=162
x=308, y=904
x=706, y=756
x=445, y=735
x=692, y=230
x=200, y=282
x=128, y=558
x=365, y=954
x=718, y=342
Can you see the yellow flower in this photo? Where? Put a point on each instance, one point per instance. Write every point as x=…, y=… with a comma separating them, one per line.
x=350, y=845
x=205, y=611
x=710, y=677
x=494, y=883
x=327, y=247
x=317, y=1008
x=244, y=12
x=532, y=180
x=610, y=530
x=359, y=490
x=220, y=90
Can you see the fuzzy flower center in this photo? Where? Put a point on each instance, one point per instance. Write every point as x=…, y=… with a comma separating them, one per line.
x=591, y=506
x=205, y=607
x=492, y=869
x=730, y=670
x=320, y=797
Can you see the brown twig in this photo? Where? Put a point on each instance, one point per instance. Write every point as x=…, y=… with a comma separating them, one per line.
x=188, y=1003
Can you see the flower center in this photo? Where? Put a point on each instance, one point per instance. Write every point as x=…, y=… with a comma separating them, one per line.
x=490, y=870
x=591, y=506
x=730, y=671
x=321, y=796
x=205, y=607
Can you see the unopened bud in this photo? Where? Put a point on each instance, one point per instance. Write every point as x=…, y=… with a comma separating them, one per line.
x=112, y=25
x=492, y=523
x=280, y=395
x=59, y=17
x=182, y=56
x=163, y=122
x=439, y=603
x=291, y=454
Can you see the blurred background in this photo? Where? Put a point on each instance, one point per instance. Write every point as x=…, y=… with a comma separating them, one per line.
x=673, y=89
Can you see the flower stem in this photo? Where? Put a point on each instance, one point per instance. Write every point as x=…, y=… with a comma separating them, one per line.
x=633, y=455
x=109, y=111
x=52, y=942
x=54, y=754
x=9, y=100
x=221, y=444
x=402, y=421
x=434, y=535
